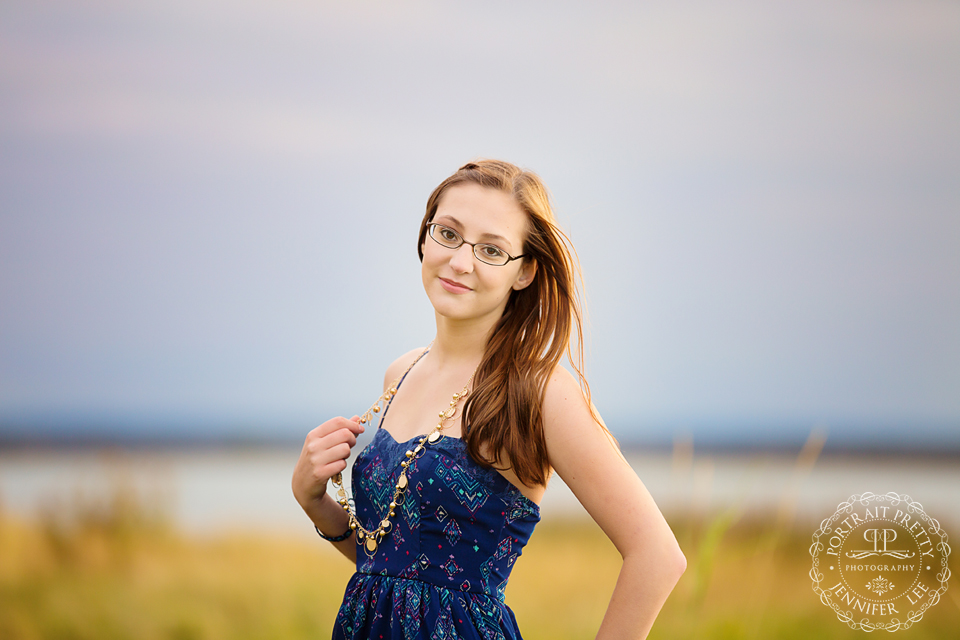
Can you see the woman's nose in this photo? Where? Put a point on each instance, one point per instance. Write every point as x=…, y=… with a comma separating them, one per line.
x=462, y=259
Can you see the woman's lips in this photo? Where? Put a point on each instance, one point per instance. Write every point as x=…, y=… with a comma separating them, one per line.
x=453, y=287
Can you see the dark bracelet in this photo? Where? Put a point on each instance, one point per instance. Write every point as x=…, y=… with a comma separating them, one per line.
x=339, y=538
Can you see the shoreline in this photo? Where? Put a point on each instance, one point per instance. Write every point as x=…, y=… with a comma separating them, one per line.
x=206, y=489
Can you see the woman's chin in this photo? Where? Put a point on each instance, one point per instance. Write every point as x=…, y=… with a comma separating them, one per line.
x=464, y=307
x=453, y=312
x=467, y=313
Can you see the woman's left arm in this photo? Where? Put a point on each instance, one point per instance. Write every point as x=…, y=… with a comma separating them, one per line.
x=591, y=464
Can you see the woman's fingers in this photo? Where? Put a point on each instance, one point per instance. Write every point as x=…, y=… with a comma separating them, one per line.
x=325, y=453
x=332, y=453
x=334, y=424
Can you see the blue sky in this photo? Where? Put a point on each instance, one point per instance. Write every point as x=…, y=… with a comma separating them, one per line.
x=208, y=211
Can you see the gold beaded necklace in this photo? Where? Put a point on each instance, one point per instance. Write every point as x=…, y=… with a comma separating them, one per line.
x=370, y=538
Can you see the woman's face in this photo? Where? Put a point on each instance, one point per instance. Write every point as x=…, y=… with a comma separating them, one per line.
x=460, y=286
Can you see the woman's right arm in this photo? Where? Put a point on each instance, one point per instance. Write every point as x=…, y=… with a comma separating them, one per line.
x=325, y=452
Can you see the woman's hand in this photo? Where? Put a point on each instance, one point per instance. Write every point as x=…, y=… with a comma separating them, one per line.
x=325, y=452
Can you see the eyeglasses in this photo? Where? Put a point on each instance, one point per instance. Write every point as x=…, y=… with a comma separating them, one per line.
x=487, y=253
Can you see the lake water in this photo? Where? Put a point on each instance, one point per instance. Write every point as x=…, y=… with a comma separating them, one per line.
x=211, y=491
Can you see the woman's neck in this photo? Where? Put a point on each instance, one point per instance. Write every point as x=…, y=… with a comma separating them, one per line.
x=459, y=343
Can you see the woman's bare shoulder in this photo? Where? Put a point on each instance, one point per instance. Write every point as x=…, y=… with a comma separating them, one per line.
x=562, y=388
x=566, y=409
x=398, y=366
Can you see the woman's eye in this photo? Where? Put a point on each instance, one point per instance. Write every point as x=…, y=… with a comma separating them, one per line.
x=448, y=235
x=492, y=252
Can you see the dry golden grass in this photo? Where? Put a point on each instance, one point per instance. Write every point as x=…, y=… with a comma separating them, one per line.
x=119, y=572
x=746, y=579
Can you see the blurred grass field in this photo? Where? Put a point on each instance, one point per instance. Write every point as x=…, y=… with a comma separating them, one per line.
x=119, y=571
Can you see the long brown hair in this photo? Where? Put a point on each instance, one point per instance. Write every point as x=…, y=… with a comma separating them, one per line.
x=504, y=410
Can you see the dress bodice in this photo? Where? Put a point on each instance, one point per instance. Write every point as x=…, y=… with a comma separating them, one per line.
x=441, y=569
x=460, y=526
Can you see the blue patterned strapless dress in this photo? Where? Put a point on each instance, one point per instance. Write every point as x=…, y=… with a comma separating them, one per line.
x=442, y=569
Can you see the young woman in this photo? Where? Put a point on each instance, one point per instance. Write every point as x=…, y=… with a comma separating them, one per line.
x=447, y=493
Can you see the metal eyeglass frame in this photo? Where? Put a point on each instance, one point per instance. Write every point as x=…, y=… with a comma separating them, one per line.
x=431, y=227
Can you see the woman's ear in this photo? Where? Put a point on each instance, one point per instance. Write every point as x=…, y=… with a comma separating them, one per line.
x=527, y=272
x=423, y=245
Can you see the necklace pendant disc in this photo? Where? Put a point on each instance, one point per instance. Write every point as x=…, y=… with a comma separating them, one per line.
x=402, y=482
x=371, y=544
x=434, y=437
